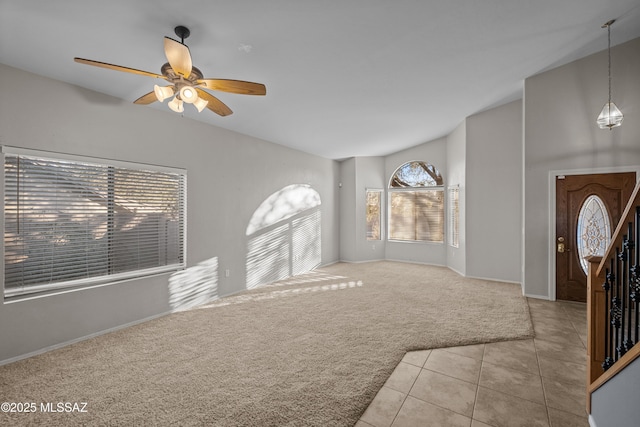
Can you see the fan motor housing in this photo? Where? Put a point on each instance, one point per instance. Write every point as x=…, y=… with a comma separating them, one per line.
x=173, y=77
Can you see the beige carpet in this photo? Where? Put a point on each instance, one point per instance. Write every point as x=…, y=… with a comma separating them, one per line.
x=310, y=351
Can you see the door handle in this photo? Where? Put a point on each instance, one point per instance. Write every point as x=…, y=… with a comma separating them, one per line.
x=561, y=246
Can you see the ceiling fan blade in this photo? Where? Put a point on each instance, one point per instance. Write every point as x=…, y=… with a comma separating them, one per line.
x=146, y=99
x=178, y=56
x=234, y=86
x=214, y=104
x=117, y=67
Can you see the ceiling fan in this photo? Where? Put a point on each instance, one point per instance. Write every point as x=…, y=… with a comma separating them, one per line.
x=186, y=81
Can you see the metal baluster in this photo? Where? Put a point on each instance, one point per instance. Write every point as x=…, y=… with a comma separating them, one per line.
x=615, y=307
x=623, y=297
x=636, y=281
x=622, y=264
x=612, y=329
x=629, y=244
x=608, y=361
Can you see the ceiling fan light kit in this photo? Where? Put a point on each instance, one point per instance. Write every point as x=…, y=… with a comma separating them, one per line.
x=186, y=81
x=163, y=92
x=176, y=105
x=200, y=104
x=188, y=94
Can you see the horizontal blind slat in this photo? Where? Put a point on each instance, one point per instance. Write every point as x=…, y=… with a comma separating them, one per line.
x=67, y=220
x=416, y=215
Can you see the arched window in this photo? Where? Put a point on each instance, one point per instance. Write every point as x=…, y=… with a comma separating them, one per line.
x=416, y=203
x=594, y=231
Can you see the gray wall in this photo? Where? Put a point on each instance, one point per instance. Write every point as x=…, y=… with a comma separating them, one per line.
x=229, y=176
x=347, y=210
x=494, y=193
x=358, y=174
x=456, y=175
x=560, y=134
x=616, y=402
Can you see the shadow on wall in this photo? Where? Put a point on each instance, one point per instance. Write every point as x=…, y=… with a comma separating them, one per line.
x=194, y=285
x=284, y=236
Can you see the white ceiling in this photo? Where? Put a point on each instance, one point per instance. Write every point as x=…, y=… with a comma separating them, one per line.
x=344, y=77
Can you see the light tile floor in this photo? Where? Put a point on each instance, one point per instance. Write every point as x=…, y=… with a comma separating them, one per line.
x=534, y=382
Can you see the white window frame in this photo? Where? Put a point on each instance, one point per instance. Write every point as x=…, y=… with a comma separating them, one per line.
x=453, y=226
x=380, y=208
x=392, y=190
x=52, y=288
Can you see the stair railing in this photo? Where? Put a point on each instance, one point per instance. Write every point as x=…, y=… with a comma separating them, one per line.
x=613, y=301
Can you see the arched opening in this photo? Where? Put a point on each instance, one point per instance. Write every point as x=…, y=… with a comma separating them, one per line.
x=284, y=235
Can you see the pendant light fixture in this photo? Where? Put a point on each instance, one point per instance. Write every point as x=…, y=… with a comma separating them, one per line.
x=610, y=116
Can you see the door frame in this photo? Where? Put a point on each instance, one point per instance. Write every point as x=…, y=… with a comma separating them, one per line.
x=551, y=234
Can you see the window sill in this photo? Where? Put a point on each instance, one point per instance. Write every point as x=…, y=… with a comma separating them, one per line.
x=414, y=242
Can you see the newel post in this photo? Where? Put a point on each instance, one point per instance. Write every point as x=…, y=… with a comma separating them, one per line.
x=596, y=307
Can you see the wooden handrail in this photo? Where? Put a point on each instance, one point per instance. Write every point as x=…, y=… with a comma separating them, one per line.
x=616, y=239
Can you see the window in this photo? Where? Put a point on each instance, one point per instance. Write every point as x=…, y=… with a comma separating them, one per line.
x=374, y=200
x=594, y=232
x=72, y=222
x=454, y=216
x=416, y=203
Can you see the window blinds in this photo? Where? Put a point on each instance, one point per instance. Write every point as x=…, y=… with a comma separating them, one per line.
x=416, y=215
x=454, y=216
x=374, y=214
x=71, y=223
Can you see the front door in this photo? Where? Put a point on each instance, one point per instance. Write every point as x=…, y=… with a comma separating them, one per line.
x=588, y=208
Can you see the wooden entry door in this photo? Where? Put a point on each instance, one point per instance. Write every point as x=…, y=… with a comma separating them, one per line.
x=614, y=190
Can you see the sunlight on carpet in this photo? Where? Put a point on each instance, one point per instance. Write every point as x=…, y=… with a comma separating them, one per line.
x=312, y=350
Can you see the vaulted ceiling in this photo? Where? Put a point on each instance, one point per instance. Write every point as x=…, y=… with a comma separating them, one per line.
x=344, y=78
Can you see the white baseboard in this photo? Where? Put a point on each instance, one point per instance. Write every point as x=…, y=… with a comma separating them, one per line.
x=361, y=262
x=491, y=279
x=76, y=340
x=544, y=297
x=414, y=262
x=460, y=273
x=592, y=422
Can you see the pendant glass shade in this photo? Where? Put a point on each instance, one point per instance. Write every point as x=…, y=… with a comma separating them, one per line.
x=200, y=104
x=176, y=105
x=610, y=116
x=163, y=92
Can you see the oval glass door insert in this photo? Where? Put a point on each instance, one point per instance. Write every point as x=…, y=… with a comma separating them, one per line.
x=594, y=230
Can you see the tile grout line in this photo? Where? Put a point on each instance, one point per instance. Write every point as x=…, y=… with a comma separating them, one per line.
x=449, y=376
x=442, y=407
x=475, y=400
x=544, y=390
x=412, y=384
